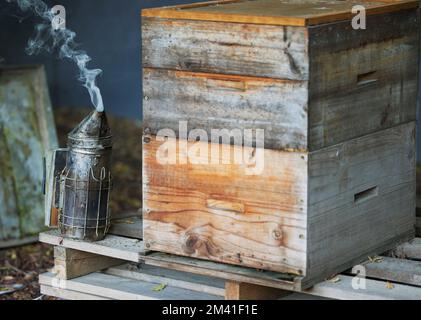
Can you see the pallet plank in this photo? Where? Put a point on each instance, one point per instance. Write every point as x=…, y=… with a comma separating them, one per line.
x=122, y=289
x=112, y=246
x=70, y=263
x=170, y=277
x=246, y=291
x=375, y=290
x=409, y=250
x=68, y=294
x=395, y=270
x=224, y=271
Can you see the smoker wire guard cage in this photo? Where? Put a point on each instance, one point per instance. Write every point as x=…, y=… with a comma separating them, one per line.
x=80, y=181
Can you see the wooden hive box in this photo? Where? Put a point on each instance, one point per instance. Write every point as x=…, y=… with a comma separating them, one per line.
x=338, y=109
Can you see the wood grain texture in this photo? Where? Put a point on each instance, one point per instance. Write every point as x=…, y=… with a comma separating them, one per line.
x=70, y=264
x=62, y=293
x=375, y=290
x=408, y=250
x=269, y=234
x=130, y=227
x=394, y=270
x=112, y=246
x=225, y=271
x=173, y=278
x=276, y=12
x=214, y=102
x=225, y=48
x=118, y=288
x=361, y=199
x=246, y=291
x=372, y=84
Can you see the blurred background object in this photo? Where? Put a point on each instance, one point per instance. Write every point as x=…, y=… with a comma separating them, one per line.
x=27, y=131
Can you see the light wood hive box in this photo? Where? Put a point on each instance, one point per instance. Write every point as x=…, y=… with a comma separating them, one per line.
x=338, y=107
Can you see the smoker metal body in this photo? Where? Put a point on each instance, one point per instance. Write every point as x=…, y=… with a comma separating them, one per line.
x=81, y=190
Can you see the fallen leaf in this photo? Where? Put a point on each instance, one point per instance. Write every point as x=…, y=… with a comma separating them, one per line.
x=335, y=279
x=375, y=259
x=160, y=287
x=389, y=285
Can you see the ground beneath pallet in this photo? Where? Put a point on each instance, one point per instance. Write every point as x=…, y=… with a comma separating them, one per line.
x=19, y=271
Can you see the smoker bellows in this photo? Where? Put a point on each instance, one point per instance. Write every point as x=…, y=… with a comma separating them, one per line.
x=81, y=189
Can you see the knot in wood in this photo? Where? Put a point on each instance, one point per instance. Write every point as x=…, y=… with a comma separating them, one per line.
x=277, y=234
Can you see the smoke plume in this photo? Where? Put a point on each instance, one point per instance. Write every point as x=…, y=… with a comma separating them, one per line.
x=51, y=39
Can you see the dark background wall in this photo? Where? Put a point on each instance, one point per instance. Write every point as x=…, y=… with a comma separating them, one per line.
x=108, y=30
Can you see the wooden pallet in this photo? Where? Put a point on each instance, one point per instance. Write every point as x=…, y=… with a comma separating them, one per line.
x=120, y=268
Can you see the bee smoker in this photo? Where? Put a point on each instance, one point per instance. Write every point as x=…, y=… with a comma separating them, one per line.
x=79, y=191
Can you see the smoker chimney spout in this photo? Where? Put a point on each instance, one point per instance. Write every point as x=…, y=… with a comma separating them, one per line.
x=85, y=182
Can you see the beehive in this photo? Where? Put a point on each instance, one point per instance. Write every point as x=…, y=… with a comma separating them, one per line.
x=338, y=109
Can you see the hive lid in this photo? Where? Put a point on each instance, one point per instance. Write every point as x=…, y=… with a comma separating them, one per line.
x=278, y=12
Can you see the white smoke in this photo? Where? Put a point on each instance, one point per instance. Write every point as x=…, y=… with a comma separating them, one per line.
x=50, y=39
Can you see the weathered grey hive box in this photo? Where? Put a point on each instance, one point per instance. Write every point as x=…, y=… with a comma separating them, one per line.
x=338, y=109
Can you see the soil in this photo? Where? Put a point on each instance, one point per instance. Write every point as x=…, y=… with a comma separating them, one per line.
x=20, y=267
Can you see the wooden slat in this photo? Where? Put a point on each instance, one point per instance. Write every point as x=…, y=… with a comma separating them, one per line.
x=225, y=48
x=131, y=227
x=68, y=294
x=215, y=102
x=225, y=271
x=394, y=270
x=361, y=202
x=118, y=288
x=169, y=277
x=70, y=264
x=112, y=246
x=375, y=290
x=180, y=217
x=366, y=72
x=409, y=250
x=275, y=12
x=124, y=251
x=246, y=291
